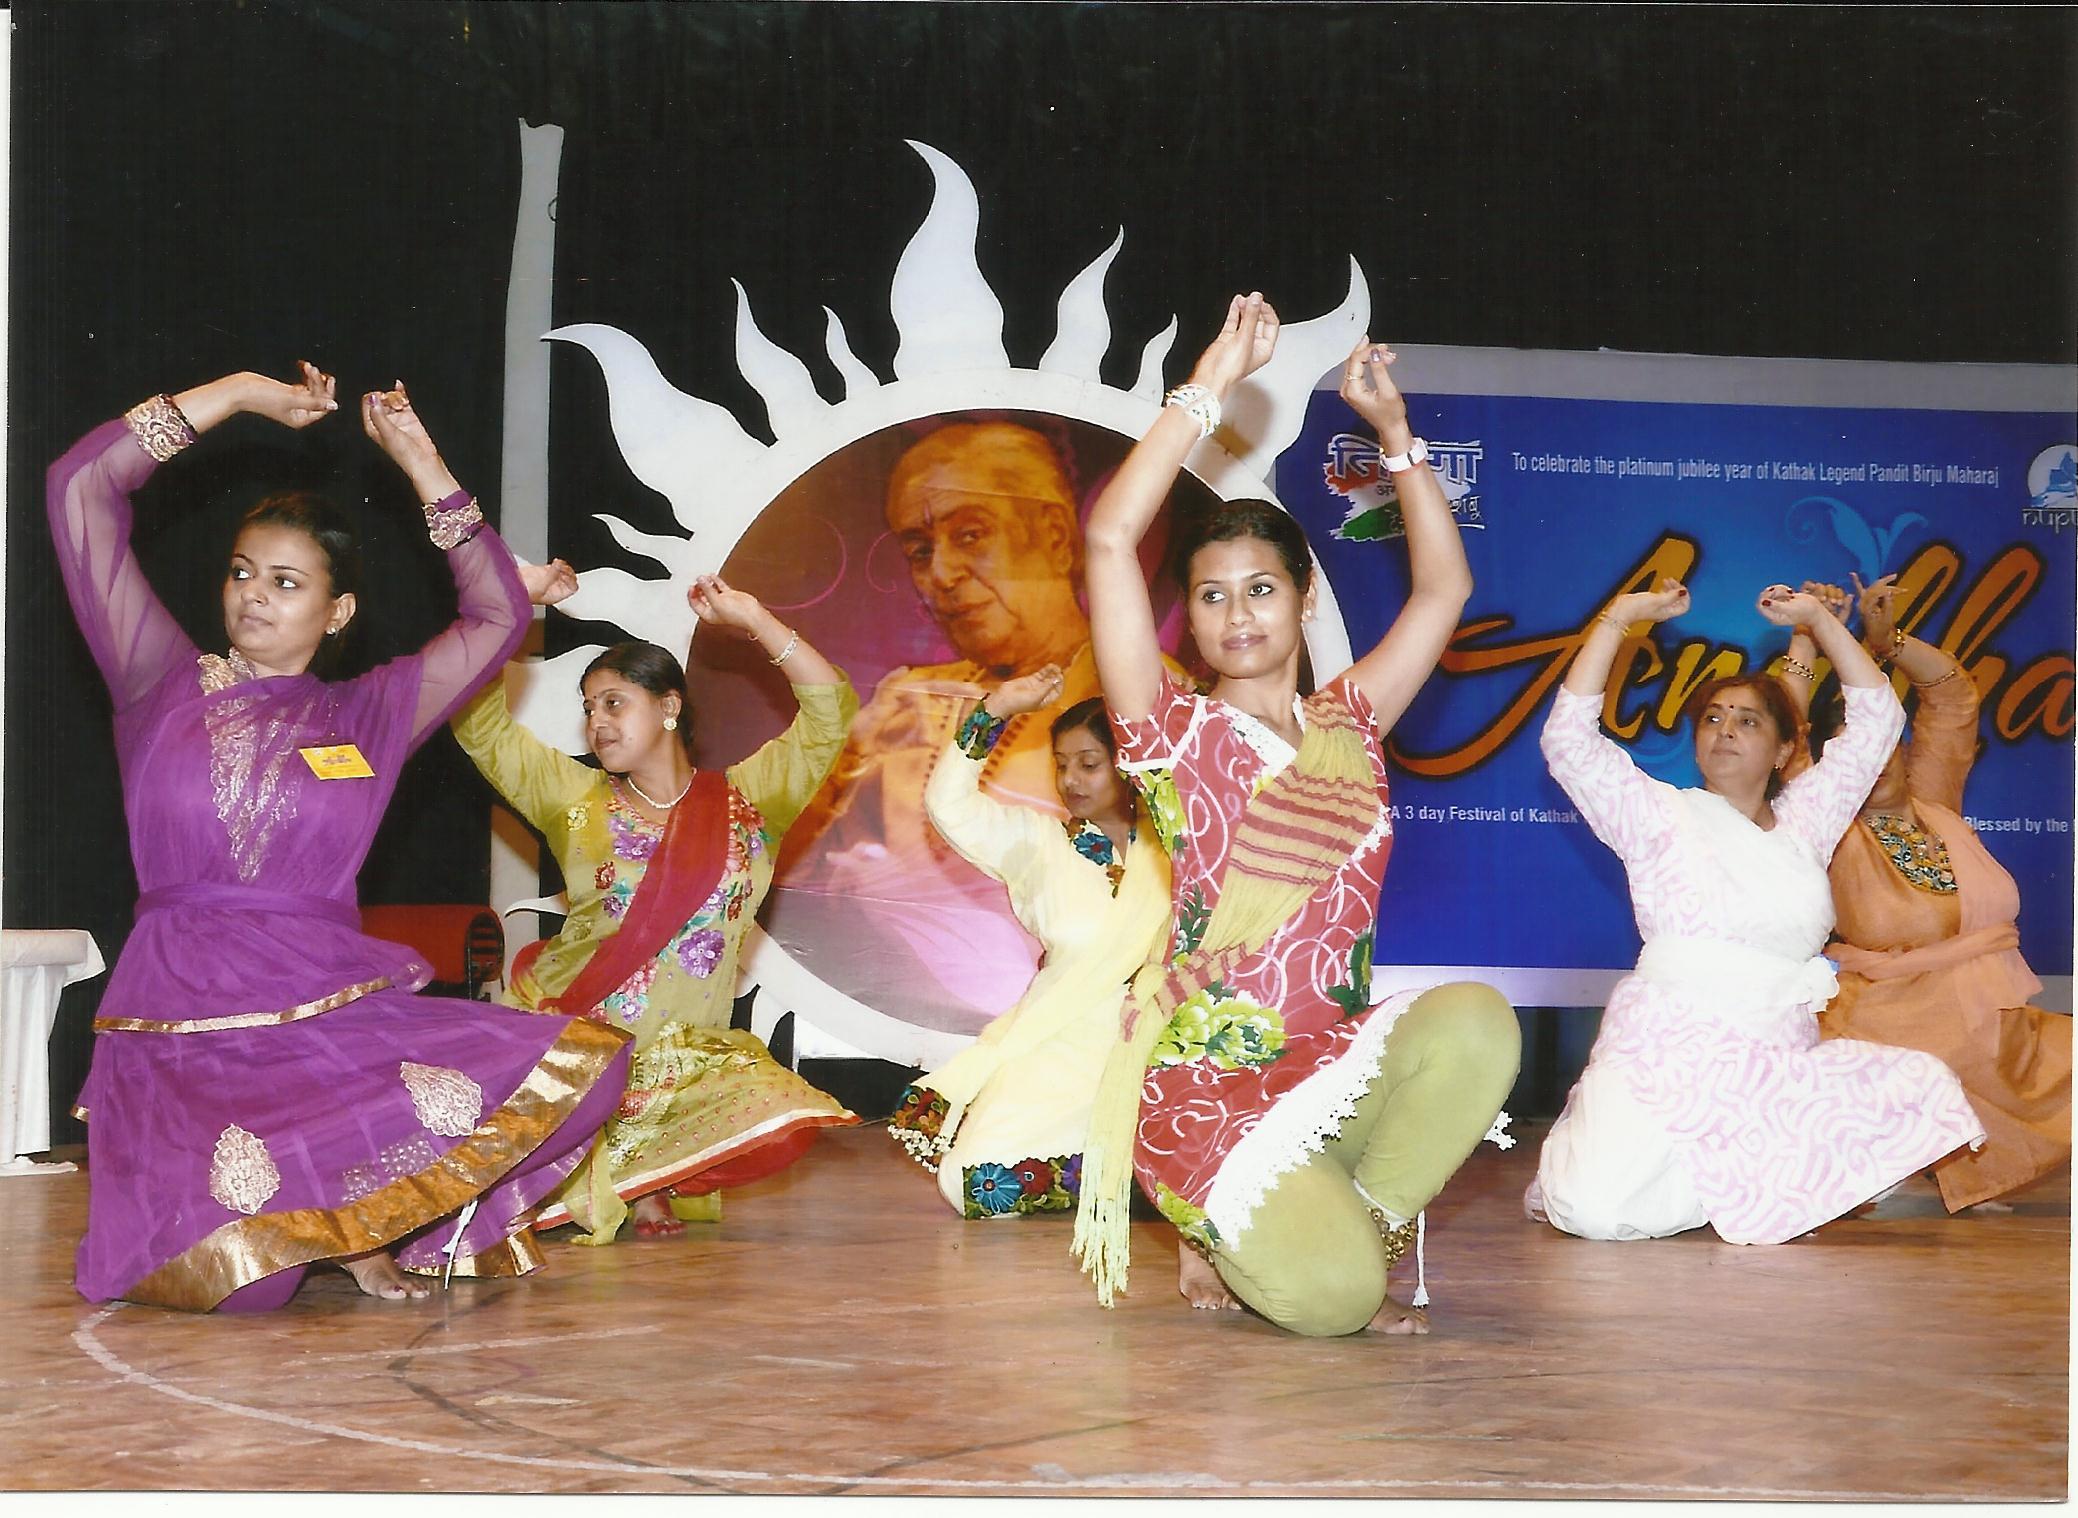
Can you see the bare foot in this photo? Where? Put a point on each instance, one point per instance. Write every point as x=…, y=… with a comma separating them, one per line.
x=378, y=1276
x=1200, y=1283
x=1398, y=1318
x=653, y=1218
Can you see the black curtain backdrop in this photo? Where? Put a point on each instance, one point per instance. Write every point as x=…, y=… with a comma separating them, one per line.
x=204, y=187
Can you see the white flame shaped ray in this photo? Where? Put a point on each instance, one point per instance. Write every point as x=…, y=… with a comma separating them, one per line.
x=949, y=319
x=673, y=442
x=1149, y=385
x=858, y=379
x=1264, y=412
x=677, y=555
x=651, y=609
x=791, y=401
x=1084, y=331
x=544, y=699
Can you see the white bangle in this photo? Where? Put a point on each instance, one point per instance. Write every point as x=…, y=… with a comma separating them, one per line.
x=1400, y=463
x=1200, y=404
x=793, y=642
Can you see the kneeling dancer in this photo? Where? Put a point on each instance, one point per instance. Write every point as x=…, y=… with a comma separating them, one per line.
x=1290, y=1130
x=1708, y=1097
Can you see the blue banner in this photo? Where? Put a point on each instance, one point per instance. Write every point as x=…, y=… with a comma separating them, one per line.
x=1567, y=502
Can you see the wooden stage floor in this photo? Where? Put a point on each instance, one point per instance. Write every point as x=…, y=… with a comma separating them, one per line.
x=838, y=1332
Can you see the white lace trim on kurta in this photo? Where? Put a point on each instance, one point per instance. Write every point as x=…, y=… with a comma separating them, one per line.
x=1300, y=1123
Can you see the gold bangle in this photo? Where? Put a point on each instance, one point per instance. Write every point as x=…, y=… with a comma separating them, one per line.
x=1798, y=667
x=1953, y=671
x=1606, y=620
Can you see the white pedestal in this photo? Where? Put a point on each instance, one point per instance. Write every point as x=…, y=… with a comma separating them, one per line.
x=36, y=965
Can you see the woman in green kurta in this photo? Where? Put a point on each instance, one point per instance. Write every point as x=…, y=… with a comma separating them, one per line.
x=665, y=866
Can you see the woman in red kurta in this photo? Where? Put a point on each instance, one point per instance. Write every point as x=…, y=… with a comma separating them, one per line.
x=1289, y=1129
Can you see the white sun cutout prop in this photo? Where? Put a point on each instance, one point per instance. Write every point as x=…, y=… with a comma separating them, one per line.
x=949, y=357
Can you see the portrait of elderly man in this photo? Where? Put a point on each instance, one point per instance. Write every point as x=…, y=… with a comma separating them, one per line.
x=984, y=515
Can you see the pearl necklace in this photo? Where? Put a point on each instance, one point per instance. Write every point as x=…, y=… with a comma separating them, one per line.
x=662, y=806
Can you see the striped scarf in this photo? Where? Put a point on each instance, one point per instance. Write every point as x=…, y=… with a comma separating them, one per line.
x=1289, y=841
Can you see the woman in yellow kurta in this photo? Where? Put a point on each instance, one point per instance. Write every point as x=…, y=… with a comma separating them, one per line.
x=1002, y=1122
x=1928, y=952
x=665, y=866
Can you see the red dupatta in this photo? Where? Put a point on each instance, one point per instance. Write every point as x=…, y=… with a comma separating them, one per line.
x=682, y=875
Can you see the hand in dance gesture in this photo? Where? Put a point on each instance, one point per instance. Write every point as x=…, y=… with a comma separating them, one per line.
x=388, y=418
x=713, y=601
x=1243, y=346
x=1795, y=608
x=1665, y=601
x=310, y=399
x=548, y=583
x=717, y=604
x=1878, y=601
x=1831, y=597
x=1370, y=390
x=1026, y=693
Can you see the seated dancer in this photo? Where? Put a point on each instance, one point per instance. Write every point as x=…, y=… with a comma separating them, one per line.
x=1707, y=1097
x=665, y=866
x=1002, y=1122
x=1290, y=1130
x=1928, y=953
x=265, y=1093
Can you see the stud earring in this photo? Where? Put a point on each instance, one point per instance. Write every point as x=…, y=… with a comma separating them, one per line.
x=670, y=724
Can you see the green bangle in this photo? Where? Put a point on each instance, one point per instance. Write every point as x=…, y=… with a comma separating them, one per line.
x=978, y=734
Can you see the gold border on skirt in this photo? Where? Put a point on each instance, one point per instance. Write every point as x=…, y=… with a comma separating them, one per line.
x=248, y=1249
x=294, y=1014
x=516, y=1256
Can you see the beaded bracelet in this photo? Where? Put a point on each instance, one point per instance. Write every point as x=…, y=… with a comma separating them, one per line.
x=159, y=427
x=1199, y=404
x=451, y=525
x=978, y=734
x=1798, y=667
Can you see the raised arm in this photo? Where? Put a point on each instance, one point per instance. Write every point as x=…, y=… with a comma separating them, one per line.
x=1439, y=578
x=1820, y=803
x=992, y=837
x=785, y=773
x=1944, y=733
x=1122, y=626
x=1621, y=803
x=132, y=636
x=538, y=781
x=491, y=603
x=1798, y=674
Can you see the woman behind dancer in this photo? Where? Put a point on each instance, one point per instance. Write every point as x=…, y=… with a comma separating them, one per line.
x=1291, y=1131
x=1707, y=1097
x=665, y=866
x=1929, y=956
x=265, y=1093
x=1002, y=1123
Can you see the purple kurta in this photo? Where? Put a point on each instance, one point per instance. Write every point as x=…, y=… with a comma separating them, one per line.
x=265, y=1090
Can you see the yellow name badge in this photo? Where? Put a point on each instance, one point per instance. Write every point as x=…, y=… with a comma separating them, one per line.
x=337, y=761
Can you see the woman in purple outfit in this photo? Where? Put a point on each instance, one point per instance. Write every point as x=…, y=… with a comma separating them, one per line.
x=266, y=1093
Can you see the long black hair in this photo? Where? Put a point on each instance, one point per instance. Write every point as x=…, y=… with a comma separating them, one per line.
x=309, y=513
x=656, y=670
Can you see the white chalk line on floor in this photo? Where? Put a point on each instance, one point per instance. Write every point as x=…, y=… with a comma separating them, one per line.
x=91, y=1346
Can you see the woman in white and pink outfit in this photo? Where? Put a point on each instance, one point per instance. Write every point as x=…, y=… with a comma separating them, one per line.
x=1708, y=1097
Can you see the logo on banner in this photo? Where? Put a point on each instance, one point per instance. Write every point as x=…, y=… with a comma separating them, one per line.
x=2052, y=485
x=1353, y=469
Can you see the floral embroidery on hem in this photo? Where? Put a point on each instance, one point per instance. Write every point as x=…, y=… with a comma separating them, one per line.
x=991, y=1190
x=242, y=1176
x=447, y=1102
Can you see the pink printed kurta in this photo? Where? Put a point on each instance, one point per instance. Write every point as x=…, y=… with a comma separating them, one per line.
x=1221, y=1123
x=1708, y=1097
